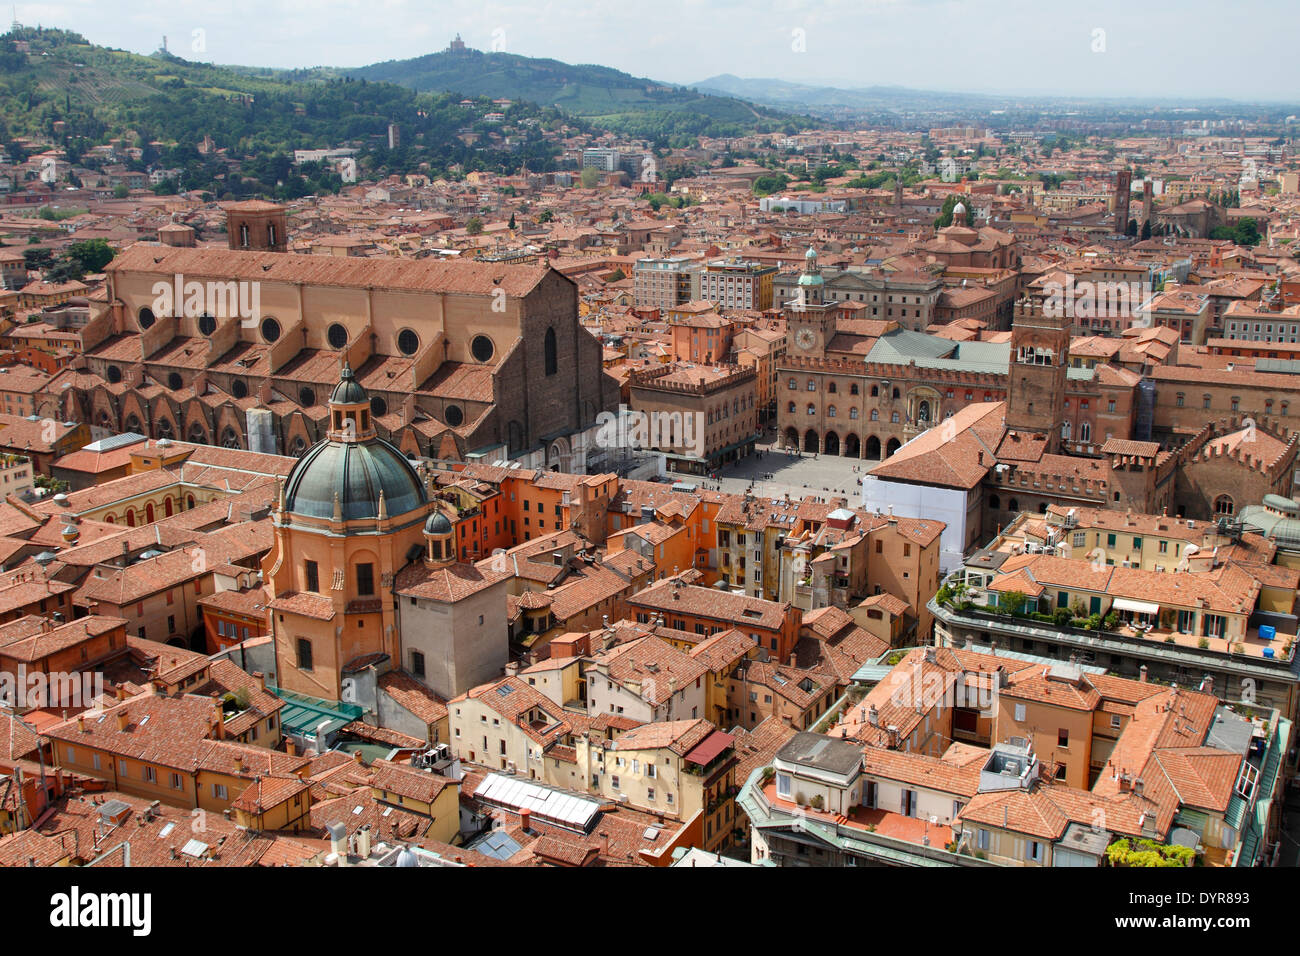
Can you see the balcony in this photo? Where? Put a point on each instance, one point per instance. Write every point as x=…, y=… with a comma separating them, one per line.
x=1281, y=648
x=1279, y=651
x=865, y=832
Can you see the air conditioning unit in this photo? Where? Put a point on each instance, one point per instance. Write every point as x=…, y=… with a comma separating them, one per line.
x=510, y=767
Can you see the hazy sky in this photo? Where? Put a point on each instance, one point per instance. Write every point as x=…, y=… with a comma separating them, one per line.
x=1244, y=49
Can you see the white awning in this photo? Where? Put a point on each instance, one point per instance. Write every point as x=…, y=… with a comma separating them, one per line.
x=1140, y=607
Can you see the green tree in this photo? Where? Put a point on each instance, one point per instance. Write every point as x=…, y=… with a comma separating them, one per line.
x=91, y=254
x=945, y=213
x=589, y=177
x=475, y=226
x=766, y=185
x=120, y=191
x=1146, y=229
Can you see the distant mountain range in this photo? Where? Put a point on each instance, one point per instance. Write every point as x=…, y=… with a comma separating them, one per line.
x=822, y=100
x=604, y=96
x=864, y=102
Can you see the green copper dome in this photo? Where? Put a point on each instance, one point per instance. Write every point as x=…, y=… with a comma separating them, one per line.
x=437, y=523
x=357, y=472
x=348, y=391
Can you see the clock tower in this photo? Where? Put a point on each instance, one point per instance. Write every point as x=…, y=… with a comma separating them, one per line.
x=810, y=319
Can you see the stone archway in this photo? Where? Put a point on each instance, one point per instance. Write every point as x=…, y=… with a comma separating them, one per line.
x=852, y=446
x=810, y=441
x=872, y=450
x=832, y=444
x=557, y=456
x=792, y=437
x=893, y=446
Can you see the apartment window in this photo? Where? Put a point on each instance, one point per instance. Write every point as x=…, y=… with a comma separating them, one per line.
x=1020, y=713
x=313, y=576
x=177, y=782
x=1063, y=737
x=304, y=654
x=365, y=579
x=219, y=791
x=1034, y=851
x=417, y=663
x=783, y=785
x=150, y=775
x=982, y=839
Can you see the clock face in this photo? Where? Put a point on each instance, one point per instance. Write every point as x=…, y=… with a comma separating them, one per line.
x=805, y=338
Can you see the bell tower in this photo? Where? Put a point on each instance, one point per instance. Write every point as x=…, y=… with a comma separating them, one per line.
x=257, y=225
x=1040, y=347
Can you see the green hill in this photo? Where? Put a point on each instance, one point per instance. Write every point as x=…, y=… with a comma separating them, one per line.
x=604, y=96
x=78, y=95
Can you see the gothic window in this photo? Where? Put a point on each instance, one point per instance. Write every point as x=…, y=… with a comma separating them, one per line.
x=548, y=349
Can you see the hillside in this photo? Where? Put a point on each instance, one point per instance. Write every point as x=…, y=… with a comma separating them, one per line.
x=604, y=96
x=79, y=95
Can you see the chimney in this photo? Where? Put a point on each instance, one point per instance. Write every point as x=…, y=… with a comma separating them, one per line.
x=219, y=720
x=512, y=668
x=81, y=723
x=892, y=731
x=123, y=719
x=356, y=755
x=525, y=819
x=1207, y=684
x=1142, y=674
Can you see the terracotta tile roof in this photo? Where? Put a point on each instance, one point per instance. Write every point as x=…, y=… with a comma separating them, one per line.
x=670, y=597
x=316, y=606
x=413, y=696
x=408, y=275
x=30, y=848
x=447, y=584
x=756, y=748
x=679, y=736
x=652, y=664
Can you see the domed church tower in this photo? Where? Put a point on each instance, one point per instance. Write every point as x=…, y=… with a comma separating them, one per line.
x=350, y=515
